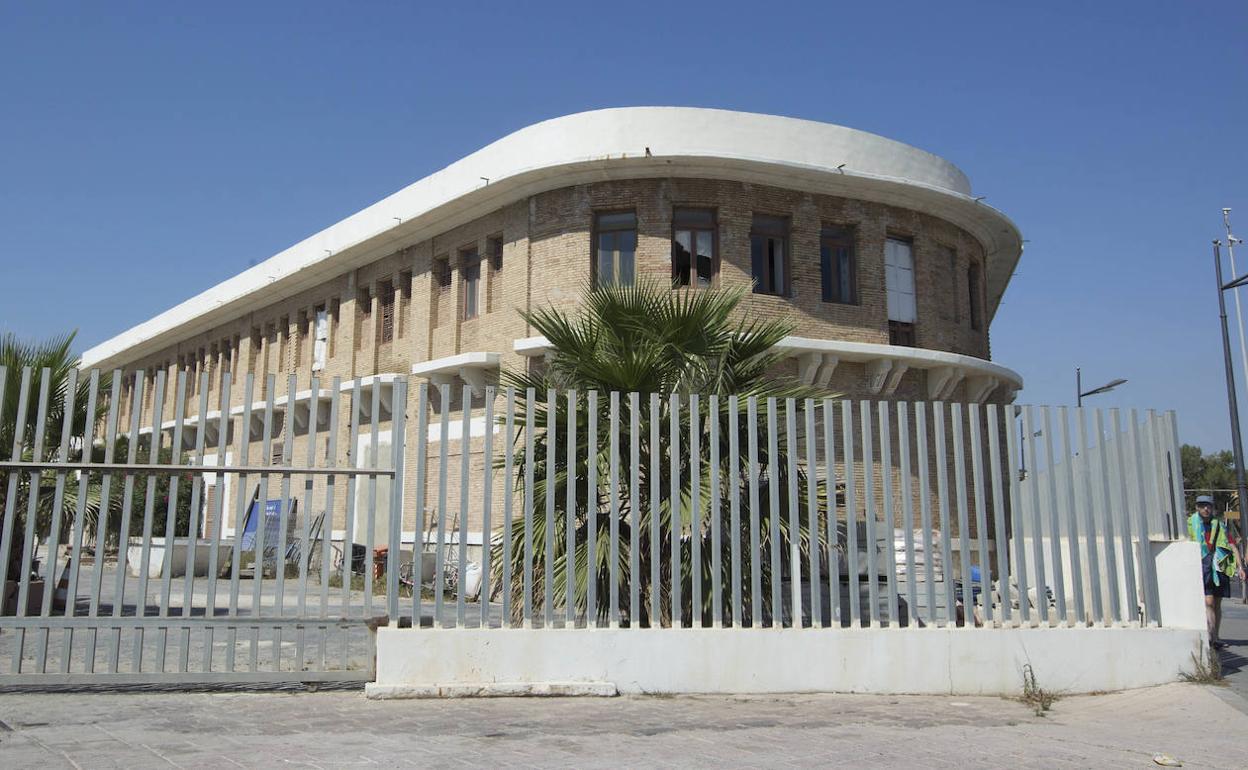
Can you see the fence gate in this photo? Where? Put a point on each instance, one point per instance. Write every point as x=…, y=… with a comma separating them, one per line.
x=155, y=531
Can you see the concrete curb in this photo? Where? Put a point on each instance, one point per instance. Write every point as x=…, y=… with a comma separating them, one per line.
x=374, y=691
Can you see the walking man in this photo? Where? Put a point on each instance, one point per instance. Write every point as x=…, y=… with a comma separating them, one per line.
x=1219, y=563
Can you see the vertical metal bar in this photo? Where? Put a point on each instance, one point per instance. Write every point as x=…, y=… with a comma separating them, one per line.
x=734, y=504
x=695, y=512
x=149, y=504
x=266, y=458
x=32, y=509
x=813, y=545
x=1118, y=494
x=509, y=484
x=193, y=526
x=348, y=527
x=851, y=513
x=214, y=536
x=717, y=560
x=1176, y=469
x=634, y=511
x=614, y=499
x=907, y=507
x=171, y=504
x=981, y=510
x=439, y=552
x=964, y=526
x=465, y=471
x=591, y=512
x=309, y=510
x=327, y=524
x=123, y=538
x=869, y=515
x=548, y=567
x=240, y=495
x=756, y=552
x=487, y=505
x=774, y=514
x=370, y=516
x=101, y=529
x=569, y=527
x=925, y=509
x=1111, y=558
x=422, y=473
x=398, y=439
x=54, y=529
x=79, y=533
x=1017, y=528
x=829, y=474
x=946, y=521
x=656, y=494
x=1002, y=543
x=1067, y=489
x=10, y=497
x=674, y=512
x=890, y=519
x=1147, y=572
x=1055, y=531
x=1086, y=497
x=1119, y=474
x=1037, y=527
x=794, y=523
x=530, y=458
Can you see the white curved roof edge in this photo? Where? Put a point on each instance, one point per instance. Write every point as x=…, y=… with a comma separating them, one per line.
x=627, y=142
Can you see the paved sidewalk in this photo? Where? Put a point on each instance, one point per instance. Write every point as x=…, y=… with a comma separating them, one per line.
x=342, y=729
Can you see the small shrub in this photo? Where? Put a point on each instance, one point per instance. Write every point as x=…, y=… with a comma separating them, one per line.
x=1040, y=699
x=1206, y=668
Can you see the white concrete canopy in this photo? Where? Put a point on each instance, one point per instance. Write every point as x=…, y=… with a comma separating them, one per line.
x=471, y=368
x=886, y=364
x=622, y=143
x=384, y=383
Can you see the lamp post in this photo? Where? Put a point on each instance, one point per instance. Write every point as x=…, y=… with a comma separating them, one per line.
x=1237, y=446
x=1080, y=392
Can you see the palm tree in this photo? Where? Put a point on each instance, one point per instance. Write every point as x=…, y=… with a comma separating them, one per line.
x=52, y=362
x=635, y=341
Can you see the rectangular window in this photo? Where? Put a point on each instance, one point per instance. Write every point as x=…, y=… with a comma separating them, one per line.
x=405, y=301
x=320, y=342
x=693, y=247
x=899, y=279
x=769, y=248
x=615, y=248
x=385, y=306
x=442, y=272
x=470, y=275
x=494, y=247
x=836, y=265
x=972, y=283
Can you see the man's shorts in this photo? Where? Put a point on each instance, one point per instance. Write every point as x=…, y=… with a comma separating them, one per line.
x=1223, y=589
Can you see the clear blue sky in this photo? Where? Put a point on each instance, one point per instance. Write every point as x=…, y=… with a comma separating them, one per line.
x=149, y=150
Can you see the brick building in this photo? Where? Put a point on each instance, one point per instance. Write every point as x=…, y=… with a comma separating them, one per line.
x=880, y=254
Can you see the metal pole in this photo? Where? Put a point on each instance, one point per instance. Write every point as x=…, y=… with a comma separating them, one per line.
x=1236, y=444
x=1078, y=387
x=1239, y=315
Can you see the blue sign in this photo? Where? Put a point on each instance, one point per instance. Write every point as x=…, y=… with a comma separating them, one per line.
x=272, y=524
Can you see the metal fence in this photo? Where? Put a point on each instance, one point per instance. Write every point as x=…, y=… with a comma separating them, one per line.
x=259, y=540
x=114, y=573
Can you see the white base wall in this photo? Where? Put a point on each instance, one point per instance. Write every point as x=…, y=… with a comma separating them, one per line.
x=415, y=662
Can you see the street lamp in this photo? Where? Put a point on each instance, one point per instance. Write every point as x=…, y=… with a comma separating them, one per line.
x=1080, y=392
x=1236, y=443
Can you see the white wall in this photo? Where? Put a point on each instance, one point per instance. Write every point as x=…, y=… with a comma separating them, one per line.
x=423, y=662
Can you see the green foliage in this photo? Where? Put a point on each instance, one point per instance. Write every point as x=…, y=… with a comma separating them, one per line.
x=649, y=339
x=1209, y=474
x=65, y=416
x=158, y=487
